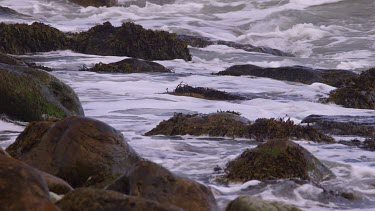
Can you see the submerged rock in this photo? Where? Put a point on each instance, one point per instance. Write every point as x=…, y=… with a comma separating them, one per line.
x=129, y=66
x=96, y=199
x=131, y=40
x=276, y=159
x=358, y=92
x=204, y=93
x=248, y=203
x=343, y=125
x=22, y=187
x=151, y=181
x=95, y=3
x=29, y=94
x=202, y=42
x=82, y=151
x=306, y=75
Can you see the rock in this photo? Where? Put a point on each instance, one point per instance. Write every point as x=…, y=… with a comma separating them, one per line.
x=3, y=152
x=218, y=124
x=55, y=184
x=131, y=40
x=299, y=74
x=276, y=159
x=151, y=181
x=81, y=151
x=129, y=66
x=358, y=92
x=6, y=59
x=22, y=187
x=367, y=144
x=204, y=93
x=8, y=12
x=248, y=203
x=202, y=42
x=343, y=125
x=96, y=199
x=95, y=3
x=37, y=37
x=231, y=124
x=142, y=3
x=30, y=94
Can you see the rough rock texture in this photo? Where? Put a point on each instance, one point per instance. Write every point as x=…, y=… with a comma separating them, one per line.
x=55, y=184
x=129, y=66
x=37, y=37
x=106, y=200
x=29, y=94
x=358, y=92
x=151, y=181
x=276, y=159
x=22, y=187
x=299, y=74
x=202, y=42
x=131, y=40
x=82, y=151
x=205, y=93
x=343, y=125
x=95, y=3
x=248, y=203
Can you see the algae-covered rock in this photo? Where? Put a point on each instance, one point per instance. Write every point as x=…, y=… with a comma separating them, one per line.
x=129, y=66
x=131, y=40
x=358, y=92
x=204, y=93
x=248, y=203
x=96, y=199
x=95, y=3
x=37, y=37
x=29, y=94
x=306, y=75
x=276, y=159
x=151, y=181
x=82, y=151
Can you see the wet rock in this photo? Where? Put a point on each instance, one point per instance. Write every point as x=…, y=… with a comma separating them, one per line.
x=218, y=124
x=276, y=159
x=202, y=42
x=96, y=199
x=10, y=60
x=248, y=203
x=95, y=3
x=3, y=152
x=37, y=37
x=29, y=94
x=55, y=184
x=204, y=93
x=358, y=92
x=8, y=12
x=142, y=3
x=81, y=151
x=22, y=187
x=131, y=40
x=299, y=74
x=129, y=66
x=343, y=125
x=151, y=181
x=367, y=144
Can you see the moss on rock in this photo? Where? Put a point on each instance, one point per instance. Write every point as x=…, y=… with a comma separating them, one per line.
x=249, y=203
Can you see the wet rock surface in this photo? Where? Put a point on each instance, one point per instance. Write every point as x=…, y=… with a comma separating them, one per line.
x=276, y=159
x=95, y=3
x=10, y=60
x=151, y=181
x=367, y=144
x=96, y=199
x=357, y=92
x=8, y=12
x=248, y=203
x=128, y=66
x=82, y=151
x=306, y=75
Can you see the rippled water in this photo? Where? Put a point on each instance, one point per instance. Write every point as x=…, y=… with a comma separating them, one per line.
x=321, y=33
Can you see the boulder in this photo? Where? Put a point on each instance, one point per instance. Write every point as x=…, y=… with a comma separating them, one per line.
x=22, y=187
x=306, y=75
x=131, y=40
x=128, y=66
x=151, y=181
x=31, y=94
x=6, y=59
x=343, y=125
x=248, y=203
x=81, y=151
x=358, y=92
x=95, y=3
x=96, y=199
x=55, y=184
x=276, y=159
